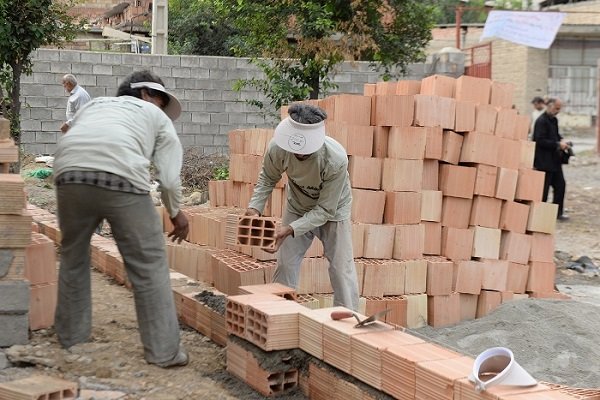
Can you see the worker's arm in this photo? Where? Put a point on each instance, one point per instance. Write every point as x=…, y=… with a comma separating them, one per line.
x=270, y=174
x=168, y=158
x=326, y=207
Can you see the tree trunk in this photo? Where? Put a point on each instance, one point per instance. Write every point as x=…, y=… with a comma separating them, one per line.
x=314, y=85
x=15, y=109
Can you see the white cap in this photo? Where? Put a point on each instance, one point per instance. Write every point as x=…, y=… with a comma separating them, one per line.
x=299, y=138
x=173, y=109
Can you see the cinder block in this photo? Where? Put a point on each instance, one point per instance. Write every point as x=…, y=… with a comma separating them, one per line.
x=15, y=329
x=14, y=297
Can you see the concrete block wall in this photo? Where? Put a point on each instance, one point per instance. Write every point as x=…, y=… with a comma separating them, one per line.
x=203, y=84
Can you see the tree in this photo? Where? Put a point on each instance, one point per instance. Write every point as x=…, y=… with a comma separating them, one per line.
x=196, y=27
x=26, y=25
x=298, y=44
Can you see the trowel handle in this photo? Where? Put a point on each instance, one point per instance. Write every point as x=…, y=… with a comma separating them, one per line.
x=337, y=315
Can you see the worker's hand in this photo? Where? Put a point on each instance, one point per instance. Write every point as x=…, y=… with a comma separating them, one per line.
x=181, y=227
x=64, y=128
x=280, y=235
x=252, y=212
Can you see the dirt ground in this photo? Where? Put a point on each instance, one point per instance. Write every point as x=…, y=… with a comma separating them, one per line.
x=113, y=360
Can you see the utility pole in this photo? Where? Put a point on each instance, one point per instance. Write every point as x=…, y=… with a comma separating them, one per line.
x=160, y=26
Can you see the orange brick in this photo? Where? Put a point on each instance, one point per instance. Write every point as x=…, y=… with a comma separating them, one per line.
x=451, y=147
x=40, y=260
x=434, y=111
x=541, y=277
x=515, y=247
x=402, y=175
x=407, y=142
x=479, y=148
x=356, y=139
x=392, y=110
x=409, y=242
x=433, y=238
x=542, y=247
x=473, y=89
x=513, y=216
x=457, y=181
x=465, y=116
x=443, y=310
x=527, y=150
x=457, y=244
x=456, y=212
x=517, y=277
x=434, y=143
x=485, y=211
x=522, y=125
x=365, y=172
x=369, y=89
x=385, y=88
x=485, y=180
x=351, y=109
x=368, y=206
x=486, y=242
x=501, y=94
x=468, y=276
x=358, y=239
x=402, y=208
x=430, y=175
x=495, y=275
x=438, y=85
x=530, y=185
x=431, y=205
x=485, y=119
x=468, y=306
x=488, y=301
x=42, y=305
x=379, y=241
x=506, y=184
x=506, y=123
x=380, y=141
x=509, y=153
x=408, y=87
x=439, y=276
x=542, y=217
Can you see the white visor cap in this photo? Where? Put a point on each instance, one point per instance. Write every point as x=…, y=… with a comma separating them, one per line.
x=299, y=138
x=173, y=109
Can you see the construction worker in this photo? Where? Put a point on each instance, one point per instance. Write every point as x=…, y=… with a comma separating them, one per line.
x=101, y=172
x=78, y=97
x=319, y=200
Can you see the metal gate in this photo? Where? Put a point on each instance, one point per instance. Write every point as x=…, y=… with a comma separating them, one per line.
x=478, y=61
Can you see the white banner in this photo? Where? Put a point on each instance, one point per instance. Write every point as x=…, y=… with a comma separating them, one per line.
x=533, y=29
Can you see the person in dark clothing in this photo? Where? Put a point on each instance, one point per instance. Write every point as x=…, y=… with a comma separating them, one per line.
x=548, y=148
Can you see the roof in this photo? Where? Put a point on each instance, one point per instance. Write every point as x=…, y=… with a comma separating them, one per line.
x=118, y=9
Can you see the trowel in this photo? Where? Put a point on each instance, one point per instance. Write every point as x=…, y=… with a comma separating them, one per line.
x=337, y=315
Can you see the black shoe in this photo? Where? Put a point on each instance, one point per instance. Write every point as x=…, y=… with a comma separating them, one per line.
x=563, y=217
x=180, y=360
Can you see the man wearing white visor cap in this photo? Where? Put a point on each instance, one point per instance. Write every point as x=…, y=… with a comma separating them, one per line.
x=101, y=171
x=319, y=200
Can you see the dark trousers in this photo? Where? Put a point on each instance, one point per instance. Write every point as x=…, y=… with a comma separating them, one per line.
x=555, y=179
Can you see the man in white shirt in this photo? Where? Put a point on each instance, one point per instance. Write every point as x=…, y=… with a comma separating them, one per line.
x=539, y=106
x=101, y=171
x=78, y=96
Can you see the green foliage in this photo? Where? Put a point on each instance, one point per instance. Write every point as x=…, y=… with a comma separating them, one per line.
x=198, y=28
x=26, y=25
x=221, y=173
x=297, y=45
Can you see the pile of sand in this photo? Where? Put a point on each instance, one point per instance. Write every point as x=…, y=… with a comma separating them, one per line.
x=555, y=341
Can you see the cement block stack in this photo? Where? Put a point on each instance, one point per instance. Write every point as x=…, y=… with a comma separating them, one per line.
x=15, y=235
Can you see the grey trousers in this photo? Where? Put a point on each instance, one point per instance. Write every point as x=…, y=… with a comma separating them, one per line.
x=337, y=243
x=137, y=231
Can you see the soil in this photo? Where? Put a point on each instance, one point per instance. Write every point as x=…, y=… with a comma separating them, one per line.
x=562, y=335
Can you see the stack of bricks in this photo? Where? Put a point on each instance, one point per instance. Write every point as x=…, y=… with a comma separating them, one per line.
x=40, y=270
x=246, y=150
x=15, y=236
x=9, y=152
